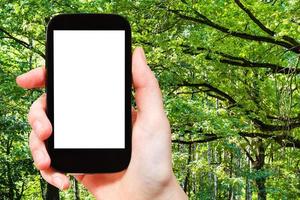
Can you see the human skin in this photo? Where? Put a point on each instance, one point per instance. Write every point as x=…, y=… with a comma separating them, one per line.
x=149, y=174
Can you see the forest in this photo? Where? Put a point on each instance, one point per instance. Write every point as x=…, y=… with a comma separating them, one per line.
x=230, y=77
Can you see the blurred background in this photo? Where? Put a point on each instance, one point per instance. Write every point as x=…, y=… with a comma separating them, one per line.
x=229, y=71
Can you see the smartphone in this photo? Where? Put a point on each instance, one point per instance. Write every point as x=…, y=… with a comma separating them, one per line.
x=88, y=86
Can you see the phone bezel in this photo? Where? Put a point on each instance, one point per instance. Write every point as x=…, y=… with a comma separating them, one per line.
x=88, y=160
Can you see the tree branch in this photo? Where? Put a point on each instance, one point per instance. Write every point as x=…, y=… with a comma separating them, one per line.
x=21, y=42
x=275, y=68
x=207, y=91
x=248, y=155
x=283, y=139
x=239, y=61
x=284, y=119
x=209, y=139
x=254, y=19
x=210, y=88
x=204, y=20
x=270, y=128
x=263, y=27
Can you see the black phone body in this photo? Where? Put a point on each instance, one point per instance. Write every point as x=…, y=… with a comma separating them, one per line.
x=88, y=86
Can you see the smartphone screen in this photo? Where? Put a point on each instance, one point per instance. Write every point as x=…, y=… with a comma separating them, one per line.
x=89, y=82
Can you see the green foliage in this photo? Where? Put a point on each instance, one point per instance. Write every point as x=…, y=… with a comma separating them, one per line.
x=230, y=87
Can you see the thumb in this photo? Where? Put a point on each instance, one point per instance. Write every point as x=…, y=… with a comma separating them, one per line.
x=147, y=92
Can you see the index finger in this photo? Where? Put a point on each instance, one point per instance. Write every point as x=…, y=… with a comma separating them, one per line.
x=35, y=78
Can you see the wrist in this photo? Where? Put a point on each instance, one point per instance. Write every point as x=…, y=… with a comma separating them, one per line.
x=168, y=189
x=172, y=191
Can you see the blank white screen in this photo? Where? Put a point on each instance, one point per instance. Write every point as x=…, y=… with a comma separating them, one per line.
x=89, y=94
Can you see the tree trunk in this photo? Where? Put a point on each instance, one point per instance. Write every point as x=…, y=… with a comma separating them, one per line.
x=211, y=176
x=76, y=190
x=215, y=176
x=258, y=165
x=248, y=190
x=261, y=185
x=230, y=192
x=215, y=160
x=186, y=181
x=20, y=194
x=43, y=187
x=201, y=182
x=11, y=185
x=248, y=185
x=52, y=193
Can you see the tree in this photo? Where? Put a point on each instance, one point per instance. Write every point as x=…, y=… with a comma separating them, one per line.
x=229, y=71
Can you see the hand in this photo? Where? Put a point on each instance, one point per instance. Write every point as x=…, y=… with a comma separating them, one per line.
x=149, y=174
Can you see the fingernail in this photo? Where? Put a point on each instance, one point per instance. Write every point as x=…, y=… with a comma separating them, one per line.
x=58, y=182
x=37, y=127
x=38, y=156
x=142, y=54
